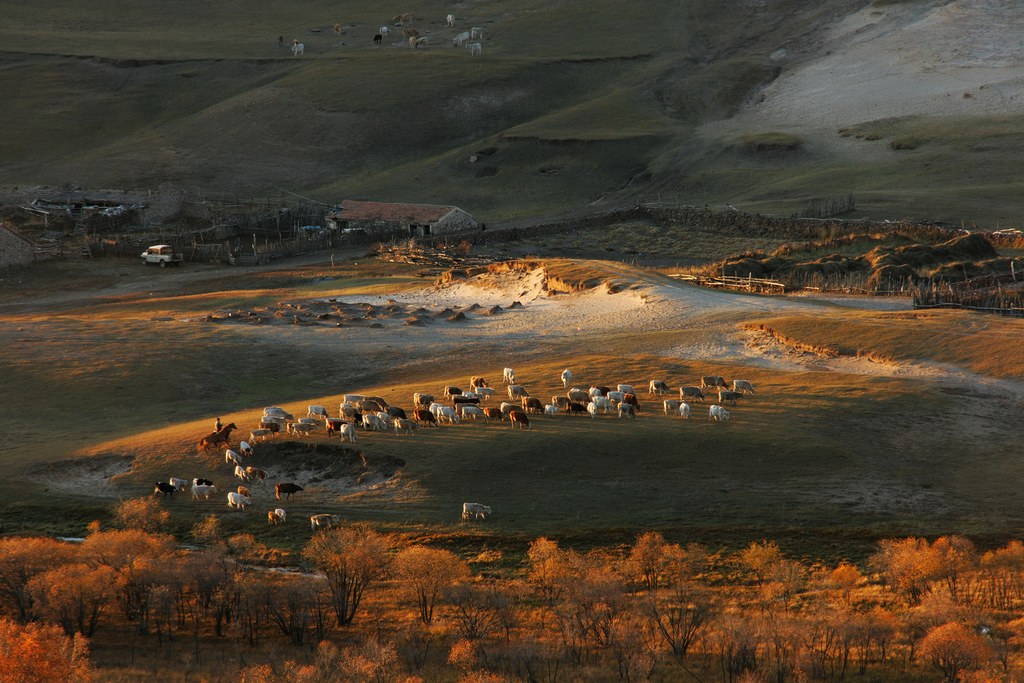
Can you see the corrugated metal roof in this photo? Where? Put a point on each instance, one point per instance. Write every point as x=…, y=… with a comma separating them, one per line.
x=405, y=213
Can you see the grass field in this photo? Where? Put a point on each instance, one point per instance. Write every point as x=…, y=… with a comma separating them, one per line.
x=823, y=461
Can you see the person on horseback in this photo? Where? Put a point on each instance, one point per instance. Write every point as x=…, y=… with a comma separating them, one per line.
x=219, y=426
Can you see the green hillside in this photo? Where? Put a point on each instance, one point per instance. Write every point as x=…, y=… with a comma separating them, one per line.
x=569, y=105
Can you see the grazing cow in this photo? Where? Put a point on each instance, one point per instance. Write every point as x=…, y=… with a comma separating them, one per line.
x=421, y=42
x=566, y=378
x=377, y=39
x=476, y=510
x=237, y=500
x=742, y=385
x=551, y=409
x=352, y=398
x=658, y=387
x=691, y=392
x=199, y=481
x=178, y=484
x=348, y=432
x=287, y=488
x=471, y=411
x=255, y=473
x=592, y=409
x=422, y=400
x=277, y=516
x=403, y=426
x=476, y=33
x=594, y=392
x=164, y=488
x=450, y=20
x=671, y=405
x=475, y=49
x=718, y=413
x=632, y=400
x=245, y=449
x=684, y=410
x=518, y=417
x=507, y=408
x=461, y=39
x=261, y=434
x=477, y=382
x=578, y=395
x=533, y=405
x=485, y=392
x=240, y=473
x=577, y=408
x=603, y=403
x=604, y=390
x=450, y=391
x=516, y=391
x=424, y=417
x=615, y=396
x=627, y=410
x=447, y=414
x=400, y=19
x=374, y=423
x=508, y=375
x=277, y=411
x=243, y=490
x=712, y=381
x=395, y=411
x=333, y=425
x=203, y=490
x=725, y=396
x=626, y=388
x=316, y=411
x=494, y=414
x=298, y=48
x=323, y=521
x=371, y=405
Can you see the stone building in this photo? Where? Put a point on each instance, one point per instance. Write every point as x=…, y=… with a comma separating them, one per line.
x=382, y=220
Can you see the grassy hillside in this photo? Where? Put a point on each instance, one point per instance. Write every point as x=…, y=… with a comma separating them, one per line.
x=563, y=108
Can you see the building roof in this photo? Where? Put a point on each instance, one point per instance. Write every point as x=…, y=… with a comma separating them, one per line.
x=406, y=213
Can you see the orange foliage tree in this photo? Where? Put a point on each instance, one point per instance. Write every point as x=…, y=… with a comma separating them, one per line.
x=352, y=558
x=953, y=649
x=20, y=560
x=35, y=653
x=426, y=574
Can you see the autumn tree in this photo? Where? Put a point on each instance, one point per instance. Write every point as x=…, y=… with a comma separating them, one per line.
x=142, y=514
x=37, y=653
x=680, y=615
x=956, y=559
x=426, y=574
x=75, y=596
x=20, y=560
x=908, y=565
x=760, y=557
x=953, y=649
x=547, y=570
x=352, y=558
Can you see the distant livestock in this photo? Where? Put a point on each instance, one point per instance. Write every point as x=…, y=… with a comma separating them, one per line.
x=725, y=396
x=164, y=488
x=203, y=490
x=450, y=20
x=238, y=501
x=712, y=381
x=742, y=385
x=718, y=413
x=323, y=521
x=691, y=392
x=518, y=418
x=298, y=48
x=566, y=378
x=508, y=376
x=286, y=488
x=475, y=510
x=475, y=49
x=460, y=39
x=657, y=387
x=277, y=516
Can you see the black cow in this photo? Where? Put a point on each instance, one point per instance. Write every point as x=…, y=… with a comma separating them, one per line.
x=164, y=488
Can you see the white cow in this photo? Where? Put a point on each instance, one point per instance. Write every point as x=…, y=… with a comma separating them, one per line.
x=684, y=410
x=261, y=434
x=671, y=405
x=240, y=473
x=718, y=413
x=551, y=409
x=237, y=500
x=316, y=411
x=742, y=385
x=616, y=396
x=450, y=20
x=348, y=432
x=517, y=391
x=508, y=375
x=323, y=521
x=244, y=448
x=471, y=411
x=627, y=410
x=485, y=392
x=657, y=386
x=202, y=490
x=178, y=484
x=626, y=389
x=298, y=48
x=278, y=516
x=404, y=425
x=477, y=510
x=475, y=49
x=592, y=409
x=461, y=39
x=373, y=422
x=567, y=378
x=447, y=414
x=603, y=403
x=231, y=457
x=476, y=33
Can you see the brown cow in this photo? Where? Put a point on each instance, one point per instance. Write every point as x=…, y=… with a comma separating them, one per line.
x=632, y=400
x=517, y=417
x=494, y=414
x=424, y=417
x=533, y=405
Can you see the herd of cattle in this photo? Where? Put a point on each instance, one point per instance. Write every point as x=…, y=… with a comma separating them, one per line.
x=411, y=35
x=374, y=414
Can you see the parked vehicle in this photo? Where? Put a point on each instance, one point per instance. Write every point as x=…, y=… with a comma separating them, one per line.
x=162, y=254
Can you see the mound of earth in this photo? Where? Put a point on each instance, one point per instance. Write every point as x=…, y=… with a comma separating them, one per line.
x=89, y=476
x=322, y=463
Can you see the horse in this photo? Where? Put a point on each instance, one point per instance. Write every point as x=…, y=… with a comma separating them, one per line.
x=221, y=436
